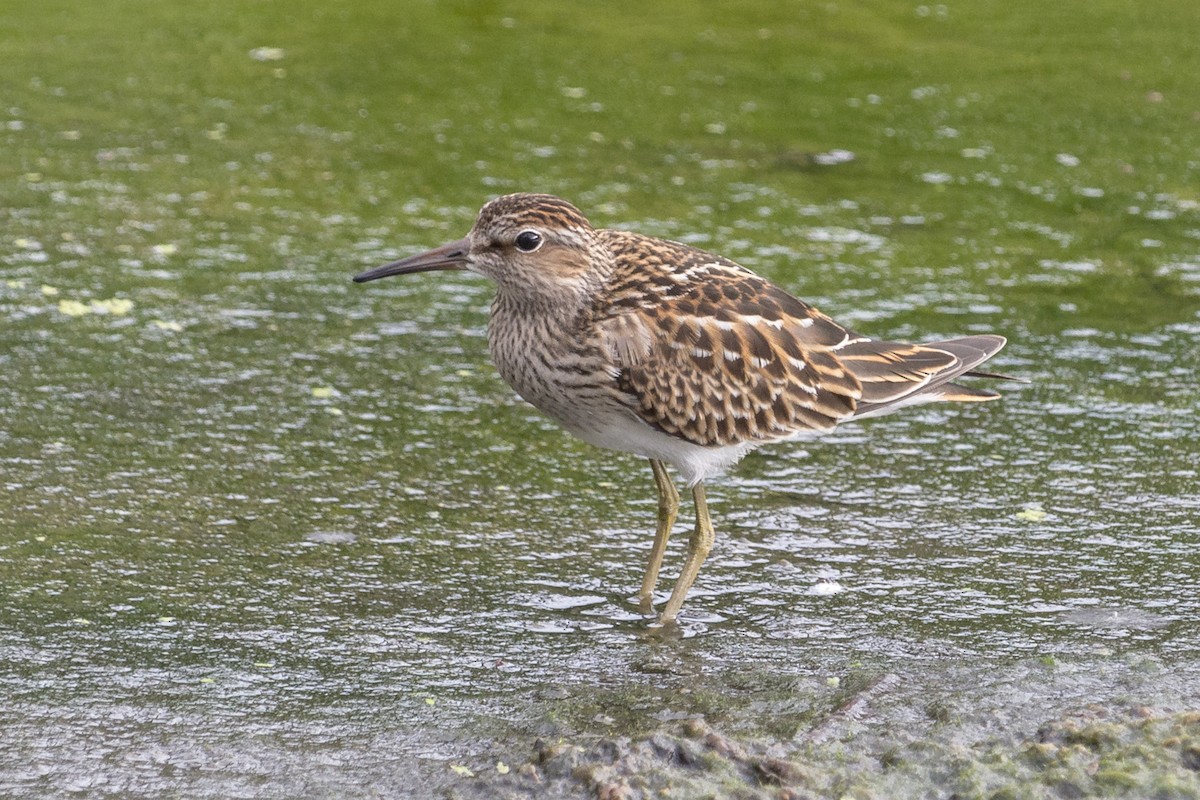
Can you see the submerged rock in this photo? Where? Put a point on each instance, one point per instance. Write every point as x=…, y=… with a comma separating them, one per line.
x=1135, y=752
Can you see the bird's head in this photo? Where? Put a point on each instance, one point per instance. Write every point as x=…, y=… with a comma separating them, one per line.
x=532, y=245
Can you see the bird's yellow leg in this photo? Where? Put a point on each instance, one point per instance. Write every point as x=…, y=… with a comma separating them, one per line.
x=698, y=549
x=668, y=506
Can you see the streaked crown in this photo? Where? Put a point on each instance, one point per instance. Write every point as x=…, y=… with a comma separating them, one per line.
x=536, y=245
x=526, y=208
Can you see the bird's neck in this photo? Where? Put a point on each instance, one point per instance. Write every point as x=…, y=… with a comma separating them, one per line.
x=555, y=308
x=563, y=301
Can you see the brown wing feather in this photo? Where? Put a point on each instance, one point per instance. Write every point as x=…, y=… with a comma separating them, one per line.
x=891, y=370
x=710, y=352
x=934, y=366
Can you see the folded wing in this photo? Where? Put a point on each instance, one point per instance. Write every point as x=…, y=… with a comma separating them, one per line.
x=705, y=350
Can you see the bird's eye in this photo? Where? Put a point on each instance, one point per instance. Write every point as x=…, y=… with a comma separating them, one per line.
x=528, y=241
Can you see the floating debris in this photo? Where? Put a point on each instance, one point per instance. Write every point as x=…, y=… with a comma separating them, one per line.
x=1032, y=513
x=825, y=587
x=267, y=53
x=73, y=308
x=833, y=157
x=117, y=306
x=331, y=537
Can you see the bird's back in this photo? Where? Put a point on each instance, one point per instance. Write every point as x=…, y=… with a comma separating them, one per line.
x=709, y=352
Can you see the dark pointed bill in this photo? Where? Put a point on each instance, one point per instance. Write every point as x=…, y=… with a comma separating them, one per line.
x=448, y=256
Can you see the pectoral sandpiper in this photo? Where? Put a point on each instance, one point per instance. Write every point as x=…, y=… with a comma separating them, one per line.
x=659, y=349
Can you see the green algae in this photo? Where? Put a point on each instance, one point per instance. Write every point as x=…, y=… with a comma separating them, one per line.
x=1093, y=752
x=186, y=190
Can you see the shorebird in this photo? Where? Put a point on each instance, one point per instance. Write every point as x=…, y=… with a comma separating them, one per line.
x=683, y=357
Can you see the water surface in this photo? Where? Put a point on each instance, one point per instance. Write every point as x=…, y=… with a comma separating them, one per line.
x=267, y=533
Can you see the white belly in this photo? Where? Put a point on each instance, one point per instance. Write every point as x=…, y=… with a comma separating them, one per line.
x=626, y=433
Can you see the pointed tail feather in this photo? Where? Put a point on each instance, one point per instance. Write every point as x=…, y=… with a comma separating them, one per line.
x=998, y=376
x=926, y=371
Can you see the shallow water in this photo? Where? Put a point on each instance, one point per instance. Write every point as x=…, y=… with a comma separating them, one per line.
x=268, y=533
